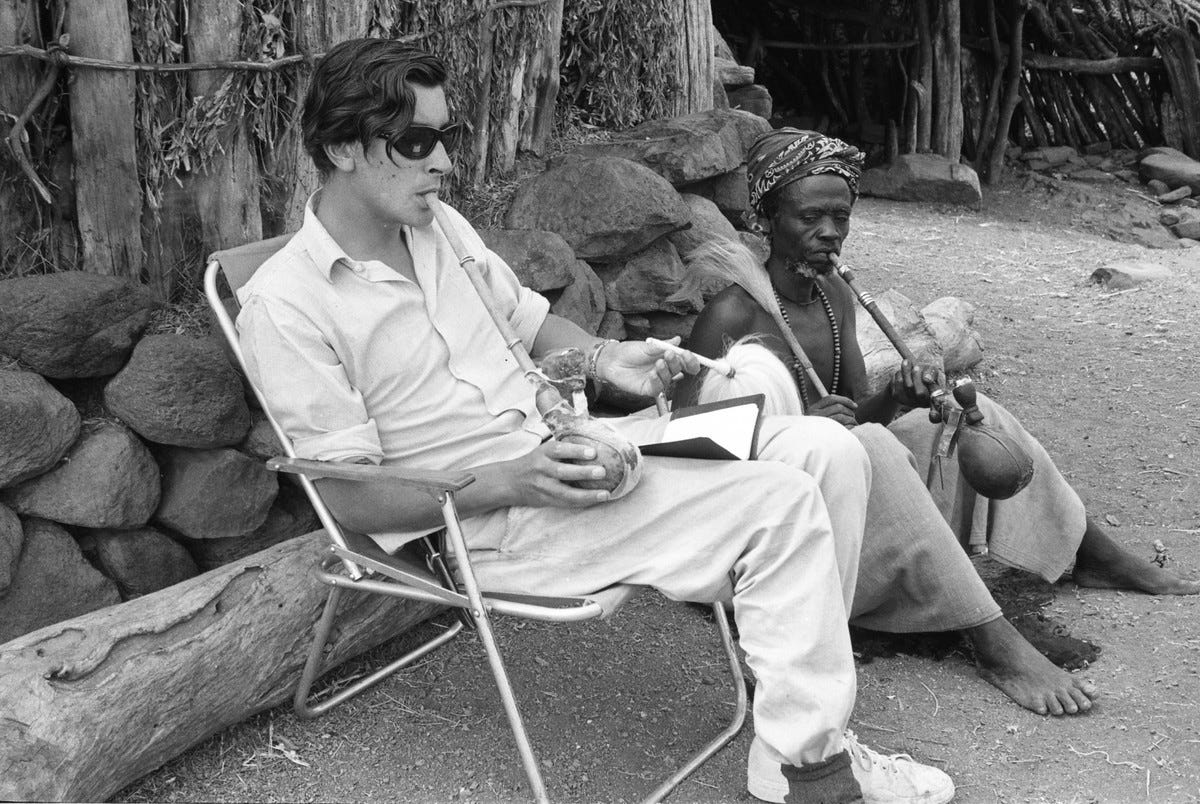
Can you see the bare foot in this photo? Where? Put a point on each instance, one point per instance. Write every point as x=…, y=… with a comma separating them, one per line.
x=1007, y=661
x=1104, y=564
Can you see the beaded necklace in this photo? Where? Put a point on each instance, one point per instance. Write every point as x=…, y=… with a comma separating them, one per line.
x=837, y=344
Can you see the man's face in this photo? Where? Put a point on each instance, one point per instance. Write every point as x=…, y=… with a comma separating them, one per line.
x=392, y=188
x=811, y=221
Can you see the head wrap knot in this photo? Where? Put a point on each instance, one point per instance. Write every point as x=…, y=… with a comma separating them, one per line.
x=785, y=155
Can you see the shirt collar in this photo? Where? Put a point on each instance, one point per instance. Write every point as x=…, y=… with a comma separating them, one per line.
x=316, y=240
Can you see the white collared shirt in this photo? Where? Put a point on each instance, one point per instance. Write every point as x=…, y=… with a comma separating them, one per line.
x=356, y=360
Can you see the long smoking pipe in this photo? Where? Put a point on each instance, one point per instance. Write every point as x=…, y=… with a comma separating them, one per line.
x=992, y=462
x=620, y=458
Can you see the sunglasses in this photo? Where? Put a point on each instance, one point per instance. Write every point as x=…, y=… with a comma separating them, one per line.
x=418, y=142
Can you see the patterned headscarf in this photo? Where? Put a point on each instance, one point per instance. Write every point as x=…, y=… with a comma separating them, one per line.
x=780, y=157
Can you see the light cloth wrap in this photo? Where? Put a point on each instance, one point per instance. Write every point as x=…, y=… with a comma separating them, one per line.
x=786, y=155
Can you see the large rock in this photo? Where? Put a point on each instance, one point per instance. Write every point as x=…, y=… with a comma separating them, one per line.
x=685, y=149
x=729, y=191
x=924, y=177
x=881, y=357
x=949, y=319
x=753, y=98
x=180, y=391
x=37, y=426
x=108, y=480
x=11, y=538
x=708, y=223
x=53, y=582
x=605, y=208
x=1173, y=168
x=140, y=561
x=659, y=325
x=541, y=260
x=290, y=516
x=260, y=441
x=583, y=300
x=72, y=324
x=732, y=74
x=213, y=494
x=644, y=282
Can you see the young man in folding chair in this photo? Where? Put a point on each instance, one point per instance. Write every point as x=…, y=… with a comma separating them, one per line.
x=370, y=344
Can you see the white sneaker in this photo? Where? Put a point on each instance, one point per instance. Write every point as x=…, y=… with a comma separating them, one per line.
x=896, y=779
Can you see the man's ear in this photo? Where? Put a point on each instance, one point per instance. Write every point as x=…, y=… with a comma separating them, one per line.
x=344, y=155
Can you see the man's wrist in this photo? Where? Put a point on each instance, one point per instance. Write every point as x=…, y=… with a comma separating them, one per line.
x=591, y=369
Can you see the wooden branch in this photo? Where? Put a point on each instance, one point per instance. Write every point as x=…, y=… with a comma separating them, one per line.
x=835, y=47
x=995, y=164
x=28, y=51
x=17, y=137
x=1044, y=61
x=91, y=704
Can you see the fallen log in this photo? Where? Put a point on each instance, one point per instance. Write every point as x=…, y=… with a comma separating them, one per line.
x=91, y=704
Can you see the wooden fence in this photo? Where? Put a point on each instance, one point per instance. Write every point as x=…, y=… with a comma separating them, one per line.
x=143, y=134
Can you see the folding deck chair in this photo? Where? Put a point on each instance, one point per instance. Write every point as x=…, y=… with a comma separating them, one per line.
x=356, y=563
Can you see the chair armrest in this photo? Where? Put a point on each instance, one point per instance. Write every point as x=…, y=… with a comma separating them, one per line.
x=427, y=480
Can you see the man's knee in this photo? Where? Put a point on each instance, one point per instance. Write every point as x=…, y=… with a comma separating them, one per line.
x=882, y=446
x=817, y=441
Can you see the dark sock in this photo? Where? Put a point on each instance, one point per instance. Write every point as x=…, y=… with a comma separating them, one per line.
x=830, y=781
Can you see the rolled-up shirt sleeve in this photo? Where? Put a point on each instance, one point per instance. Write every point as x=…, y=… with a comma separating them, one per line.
x=304, y=383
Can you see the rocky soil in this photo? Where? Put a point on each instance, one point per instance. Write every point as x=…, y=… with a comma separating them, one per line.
x=1107, y=379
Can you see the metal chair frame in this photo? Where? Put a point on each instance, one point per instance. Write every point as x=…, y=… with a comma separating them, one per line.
x=357, y=564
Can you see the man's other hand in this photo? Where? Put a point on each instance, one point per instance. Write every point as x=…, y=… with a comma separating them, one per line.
x=543, y=477
x=839, y=408
x=912, y=384
x=640, y=368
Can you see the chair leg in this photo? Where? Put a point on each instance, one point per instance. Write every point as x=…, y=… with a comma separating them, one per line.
x=483, y=626
x=735, y=725
x=307, y=707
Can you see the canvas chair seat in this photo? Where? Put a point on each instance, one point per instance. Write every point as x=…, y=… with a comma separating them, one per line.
x=421, y=572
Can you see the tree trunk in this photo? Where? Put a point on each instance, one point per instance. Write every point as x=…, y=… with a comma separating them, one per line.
x=108, y=200
x=1012, y=96
x=1183, y=75
x=93, y=703
x=227, y=194
x=541, y=89
x=947, y=44
x=696, y=64
x=925, y=78
x=320, y=24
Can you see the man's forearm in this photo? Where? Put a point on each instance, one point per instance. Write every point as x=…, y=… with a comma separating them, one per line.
x=560, y=333
x=381, y=507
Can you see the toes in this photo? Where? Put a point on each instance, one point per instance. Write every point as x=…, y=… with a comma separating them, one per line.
x=1082, y=701
x=1055, y=706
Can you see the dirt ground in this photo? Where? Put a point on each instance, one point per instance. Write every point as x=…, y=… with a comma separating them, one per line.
x=1107, y=380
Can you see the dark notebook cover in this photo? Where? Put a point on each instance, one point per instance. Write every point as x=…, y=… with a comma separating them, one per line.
x=726, y=430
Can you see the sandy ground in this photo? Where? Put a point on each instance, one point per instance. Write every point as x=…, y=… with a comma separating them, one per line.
x=1107, y=380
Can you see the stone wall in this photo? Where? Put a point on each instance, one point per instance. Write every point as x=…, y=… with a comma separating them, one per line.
x=127, y=463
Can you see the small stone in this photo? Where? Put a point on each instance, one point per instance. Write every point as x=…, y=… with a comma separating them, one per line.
x=1157, y=188
x=1123, y=275
x=1176, y=195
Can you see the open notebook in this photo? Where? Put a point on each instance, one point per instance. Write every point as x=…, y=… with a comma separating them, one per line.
x=726, y=430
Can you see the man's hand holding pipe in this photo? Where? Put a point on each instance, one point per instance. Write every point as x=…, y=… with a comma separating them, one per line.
x=641, y=368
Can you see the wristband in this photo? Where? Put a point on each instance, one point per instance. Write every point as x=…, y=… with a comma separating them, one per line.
x=590, y=369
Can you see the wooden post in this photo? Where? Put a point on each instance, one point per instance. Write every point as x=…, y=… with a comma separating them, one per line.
x=1183, y=75
x=948, y=110
x=93, y=703
x=924, y=78
x=108, y=199
x=697, y=56
x=541, y=83
x=995, y=164
x=320, y=24
x=227, y=194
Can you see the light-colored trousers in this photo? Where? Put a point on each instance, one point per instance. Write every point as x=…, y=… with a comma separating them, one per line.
x=780, y=536
x=915, y=574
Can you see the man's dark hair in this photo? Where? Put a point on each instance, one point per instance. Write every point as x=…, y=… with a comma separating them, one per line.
x=361, y=89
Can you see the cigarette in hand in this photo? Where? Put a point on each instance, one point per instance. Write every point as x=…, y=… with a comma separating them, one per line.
x=720, y=366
